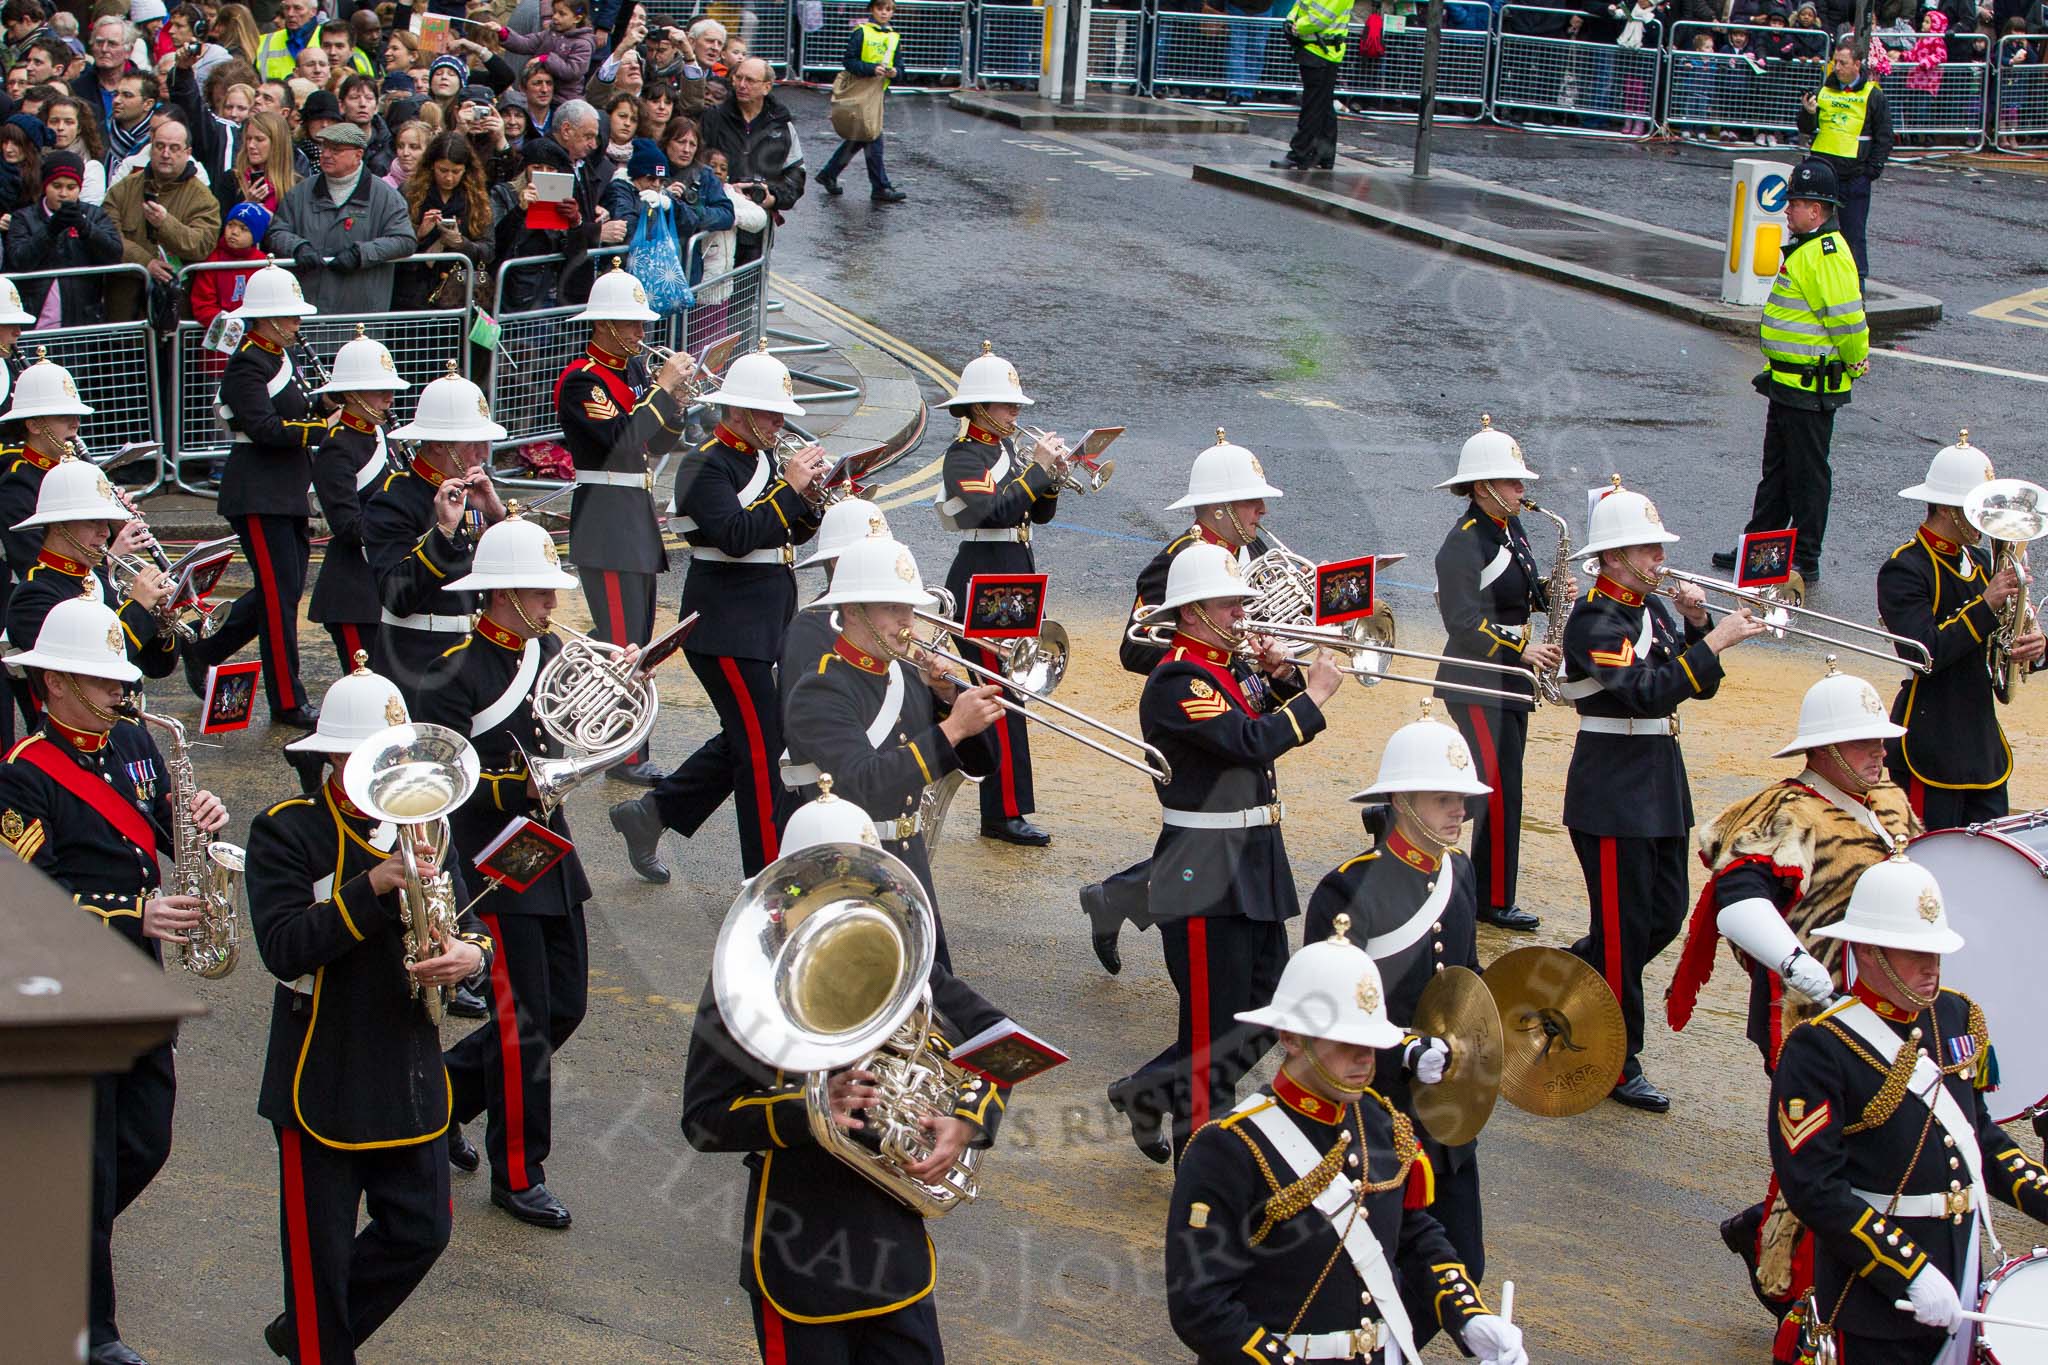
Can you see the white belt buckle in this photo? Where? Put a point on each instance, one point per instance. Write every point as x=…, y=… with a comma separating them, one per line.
x=1275, y=812
x=1674, y=725
x=1365, y=1339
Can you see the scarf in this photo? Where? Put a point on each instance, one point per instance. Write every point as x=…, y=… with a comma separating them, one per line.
x=123, y=143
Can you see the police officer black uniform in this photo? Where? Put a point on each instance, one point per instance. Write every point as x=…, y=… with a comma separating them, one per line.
x=86, y=799
x=1222, y=891
x=483, y=687
x=1487, y=586
x=352, y=1082
x=1299, y=1227
x=1627, y=667
x=351, y=463
x=744, y=512
x=1880, y=1137
x=992, y=497
x=274, y=423
x=1939, y=589
x=616, y=430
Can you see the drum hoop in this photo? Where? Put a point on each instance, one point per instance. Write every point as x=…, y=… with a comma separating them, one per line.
x=1988, y=1288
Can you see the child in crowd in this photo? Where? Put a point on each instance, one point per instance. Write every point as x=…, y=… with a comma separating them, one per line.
x=220, y=291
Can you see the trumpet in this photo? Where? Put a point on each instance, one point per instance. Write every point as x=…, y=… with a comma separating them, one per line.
x=1072, y=473
x=787, y=447
x=1776, y=611
x=125, y=569
x=1368, y=651
x=914, y=651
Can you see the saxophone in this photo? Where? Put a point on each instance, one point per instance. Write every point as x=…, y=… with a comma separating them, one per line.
x=1550, y=683
x=210, y=870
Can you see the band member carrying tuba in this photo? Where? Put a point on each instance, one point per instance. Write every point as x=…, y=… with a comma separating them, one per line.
x=483, y=687
x=353, y=1083
x=86, y=799
x=1298, y=1228
x=1487, y=584
x=352, y=461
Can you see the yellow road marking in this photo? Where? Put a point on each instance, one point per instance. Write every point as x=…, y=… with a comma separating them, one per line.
x=2024, y=310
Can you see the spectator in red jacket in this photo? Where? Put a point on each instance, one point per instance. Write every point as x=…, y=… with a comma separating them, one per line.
x=220, y=291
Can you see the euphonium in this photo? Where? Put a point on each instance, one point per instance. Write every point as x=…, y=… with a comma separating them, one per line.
x=210, y=870
x=587, y=699
x=2012, y=512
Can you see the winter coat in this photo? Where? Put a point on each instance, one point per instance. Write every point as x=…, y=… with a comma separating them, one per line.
x=1927, y=56
x=704, y=207
x=190, y=230
x=526, y=287
x=565, y=56
x=374, y=219
x=34, y=243
x=416, y=283
x=220, y=291
x=766, y=150
x=721, y=249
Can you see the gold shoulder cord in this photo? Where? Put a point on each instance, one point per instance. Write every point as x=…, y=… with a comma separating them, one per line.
x=1892, y=1092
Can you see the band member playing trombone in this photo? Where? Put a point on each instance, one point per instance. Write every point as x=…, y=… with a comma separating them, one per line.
x=616, y=431
x=1628, y=666
x=1943, y=589
x=1487, y=586
x=871, y=1299
x=422, y=525
x=993, y=500
x=745, y=502
x=883, y=721
x=274, y=423
x=1412, y=903
x=353, y=1082
x=86, y=799
x=815, y=629
x=1227, y=492
x=1298, y=1228
x=1222, y=892
x=483, y=687
x=350, y=464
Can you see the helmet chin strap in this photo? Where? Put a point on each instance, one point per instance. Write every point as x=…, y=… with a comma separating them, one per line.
x=531, y=625
x=1229, y=639
x=1847, y=778
x=1323, y=1073
x=1884, y=965
x=1650, y=582
x=84, y=551
x=985, y=417
x=1237, y=528
x=1416, y=823
x=105, y=717
x=1503, y=511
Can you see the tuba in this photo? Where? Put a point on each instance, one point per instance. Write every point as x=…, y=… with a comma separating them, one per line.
x=587, y=699
x=824, y=962
x=414, y=775
x=211, y=870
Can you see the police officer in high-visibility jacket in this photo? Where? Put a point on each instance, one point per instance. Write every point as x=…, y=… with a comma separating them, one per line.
x=1850, y=123
x=1319, y=30
x=1816, y=344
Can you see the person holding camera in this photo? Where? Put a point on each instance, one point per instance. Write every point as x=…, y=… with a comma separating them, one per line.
x=167, y=216
x=765, y=160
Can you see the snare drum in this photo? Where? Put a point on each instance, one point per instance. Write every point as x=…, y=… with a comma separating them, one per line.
x=1994, y=877
x=2018, y=1289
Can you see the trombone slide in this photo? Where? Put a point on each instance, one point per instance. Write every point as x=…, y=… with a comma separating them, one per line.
x=1776, y=615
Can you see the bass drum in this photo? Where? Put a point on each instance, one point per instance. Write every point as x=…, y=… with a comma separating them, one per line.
x=1994, y=877
x=2017, y=1290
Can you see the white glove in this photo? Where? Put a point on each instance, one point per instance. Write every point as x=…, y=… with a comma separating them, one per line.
x=1497, y=1342
x=1804, y=973
x=1427, y=1059
x=1756, y=927
x=1934, y=1299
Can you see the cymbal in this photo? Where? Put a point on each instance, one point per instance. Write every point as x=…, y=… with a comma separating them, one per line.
x=1564, y=1039
x=1456, y=1007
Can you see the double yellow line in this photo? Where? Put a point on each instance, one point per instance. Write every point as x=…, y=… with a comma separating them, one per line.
x=920, y=484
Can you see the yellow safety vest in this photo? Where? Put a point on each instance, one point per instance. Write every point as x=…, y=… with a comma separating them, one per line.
x=1815, y=317
x=1323, y=26
x=878, y=45
x=274, y=59
x=1842, y=115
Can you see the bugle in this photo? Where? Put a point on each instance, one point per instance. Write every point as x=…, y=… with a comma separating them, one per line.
x=1153, y=763
x=1776, y=613
x=1367, y=657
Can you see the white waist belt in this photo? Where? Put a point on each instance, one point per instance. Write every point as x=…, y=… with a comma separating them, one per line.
x=608, y=479
x=1224, y=819
x=1624, y=725
x=1940, y=1204
x=1335, y=1345
x=445, y=625
x=301, y=986
x=901, y=828
x=1019, y=534
x=775, y=554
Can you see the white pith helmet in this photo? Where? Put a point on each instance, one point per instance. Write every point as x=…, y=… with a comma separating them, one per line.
x=1331, y=990
x=45, y=389
x=988, y=378
x=1838, y=708
x=1490, y=453
x=451, y=409
x=1896, y=904
x=845, y=522
x=617, y=297
x=76, y=490
x=357, y=705
x=1199, y=573
x=1623, y=518
x=1952, y=475
x=1425, y=756
x=273, y=292
x=81, y=636
x=515, y=553
x=1224, y=473
x=364, y=363
x=827, y=820
x=759, y=382
x=877, y=570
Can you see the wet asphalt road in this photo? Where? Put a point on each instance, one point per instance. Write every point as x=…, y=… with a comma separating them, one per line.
x=1354, y=365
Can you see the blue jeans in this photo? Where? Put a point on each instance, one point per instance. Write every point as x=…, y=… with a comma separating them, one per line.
x=1244, y=59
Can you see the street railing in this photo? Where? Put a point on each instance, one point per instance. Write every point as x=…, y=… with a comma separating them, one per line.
x=1939, y=107
x=933, y=38
x=2022, y=94
x=1009, y=41
x=1390, y=85
x=1541, y=75
x=113, y=365
x=1729, y=95
x=765, y=24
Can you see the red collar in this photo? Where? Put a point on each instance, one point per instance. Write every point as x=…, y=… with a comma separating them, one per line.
x=355, y=423
x=859, y=658
x=1885, y=1008
x=1410, y=854
x=1938, y=544
x=339, y=800
x=421, y=467
x=1198, y=650
x=264, y=343
x=1305, y=1102
x=604, y=357
x=85, y=741
x=1209, y=537
x=62, y=564
x=498, y=635
x=1861, y=800
x=38, y=459
x=982, y=435
x=726, y=436
x=1607, y=587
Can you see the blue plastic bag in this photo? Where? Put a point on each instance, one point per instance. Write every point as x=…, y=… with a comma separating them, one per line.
x=656, y=261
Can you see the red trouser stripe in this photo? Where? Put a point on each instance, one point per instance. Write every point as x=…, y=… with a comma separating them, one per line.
x=351, y=645
x=615, y=609
x=273, y=616
x=1198, y=1014
x=1006, y=770
x=773, y=1350
x=757, y=757
x=1610, y=915
x=506, y=1011
x=1916, y=797
x=305, y=1314
x=1496, y=809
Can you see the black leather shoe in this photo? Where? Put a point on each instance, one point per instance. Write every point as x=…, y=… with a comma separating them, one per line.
x=465, y=1002
x=1017, y=831
x=1637, y=1093
x=195, y=670
x=1095, y=904
x=831, y=183
x=1513, y=917
x=641, y=774
x=298, y=718
x=889, y=194
x=1145, y=1128
x=641, y=825
x=1809, y=572
x=1326, y=165
x=532, y=1205
x=114, y=1353
x=1724, y=559
x=274, y=1337
x=1287, y=164
x=462, y=1153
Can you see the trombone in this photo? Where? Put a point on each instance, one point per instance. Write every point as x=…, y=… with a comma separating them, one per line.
x=1034, y=664
x=1776, y=613
x=1368, y=656
x=1153, y=763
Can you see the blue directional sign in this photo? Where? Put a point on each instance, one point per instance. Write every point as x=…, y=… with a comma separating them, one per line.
x=1770, y=193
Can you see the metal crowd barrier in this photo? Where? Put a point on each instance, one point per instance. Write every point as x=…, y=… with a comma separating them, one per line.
x=1118, y=47
x=933, y=38
x=1942, y=109
x=765, y=24
x=2022, y=95
x=1721, y=93
x=1009, y=41
x=1541, y=76
x=1234, y=53
x=114, y=365
x=1391, y=84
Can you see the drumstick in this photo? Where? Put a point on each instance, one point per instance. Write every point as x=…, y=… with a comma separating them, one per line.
x=1507, y=1300
x=1989, y=1319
